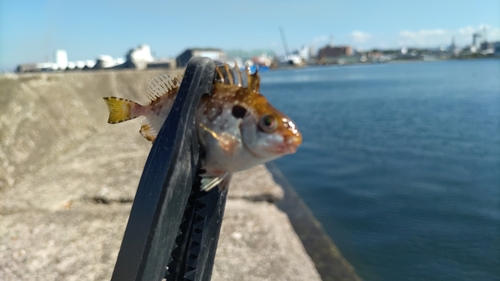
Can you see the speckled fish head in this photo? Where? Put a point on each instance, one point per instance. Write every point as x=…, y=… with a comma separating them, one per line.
x=265, y=131
x=239, y=128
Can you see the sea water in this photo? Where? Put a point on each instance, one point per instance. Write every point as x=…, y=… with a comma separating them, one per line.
x=400, y=163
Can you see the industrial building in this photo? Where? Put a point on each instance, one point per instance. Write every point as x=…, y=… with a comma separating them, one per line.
x=212, y=53
x=336, y=55
x=334, y=51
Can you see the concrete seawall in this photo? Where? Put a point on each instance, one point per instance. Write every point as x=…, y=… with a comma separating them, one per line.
x=68, y=179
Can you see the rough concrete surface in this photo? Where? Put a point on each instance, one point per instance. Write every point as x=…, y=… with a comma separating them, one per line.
x=260, y=244
x=67, y=180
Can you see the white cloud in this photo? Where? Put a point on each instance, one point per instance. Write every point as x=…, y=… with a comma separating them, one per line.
x=442, y=37
x=424, y=37
x=422, y=33
x=320, y=39
x=493, y=34
x=468, y=30
x=407, y=34
x=360, y=36
x=463, y=35
x=432, y=32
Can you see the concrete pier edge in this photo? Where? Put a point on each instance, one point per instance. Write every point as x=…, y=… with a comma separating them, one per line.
x=329, y=262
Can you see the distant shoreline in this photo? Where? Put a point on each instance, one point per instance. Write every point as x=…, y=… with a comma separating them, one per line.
x=385, y=62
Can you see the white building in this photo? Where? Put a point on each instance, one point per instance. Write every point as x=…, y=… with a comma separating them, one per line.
x=139, y=57
x=61, y=59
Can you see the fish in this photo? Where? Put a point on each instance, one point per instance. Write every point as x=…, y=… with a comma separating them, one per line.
x=236, y=125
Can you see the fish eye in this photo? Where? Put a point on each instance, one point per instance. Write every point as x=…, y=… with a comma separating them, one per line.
x=239, y=111
x=268, y=123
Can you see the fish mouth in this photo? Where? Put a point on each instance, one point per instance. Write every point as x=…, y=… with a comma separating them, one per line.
x=283, y=149
x=289, y=145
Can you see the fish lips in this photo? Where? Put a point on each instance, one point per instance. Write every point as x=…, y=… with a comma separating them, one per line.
x=289, y=145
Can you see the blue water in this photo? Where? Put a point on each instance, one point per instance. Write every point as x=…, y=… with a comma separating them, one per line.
x=400, y=163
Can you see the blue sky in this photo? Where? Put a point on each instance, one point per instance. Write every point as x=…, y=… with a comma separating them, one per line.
x=31, y=30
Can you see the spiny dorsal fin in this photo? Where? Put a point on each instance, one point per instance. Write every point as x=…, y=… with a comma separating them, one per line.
x=162, y=85
x=253, y=80
x=237, y=70
x=229, y=74
x=232, y=76
x=225, y=74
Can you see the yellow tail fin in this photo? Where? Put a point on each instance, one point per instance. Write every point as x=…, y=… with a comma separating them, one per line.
x=119, y=109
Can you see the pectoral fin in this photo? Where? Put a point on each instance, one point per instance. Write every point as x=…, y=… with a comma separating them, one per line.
x=227, y=142
x=210, y=182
